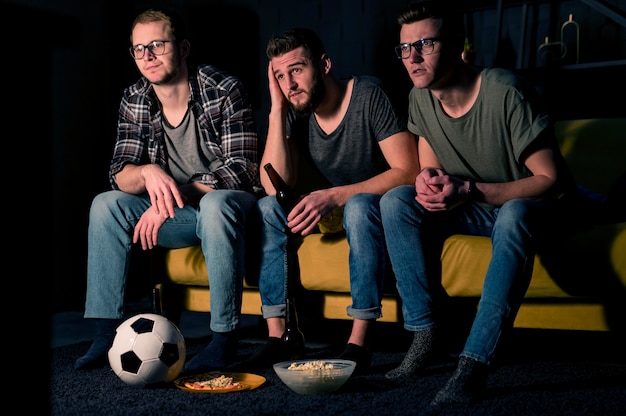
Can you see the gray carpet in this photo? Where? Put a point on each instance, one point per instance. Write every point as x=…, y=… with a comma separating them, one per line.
x=539, y=373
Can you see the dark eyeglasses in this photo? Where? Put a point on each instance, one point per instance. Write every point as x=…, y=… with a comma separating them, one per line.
x=422, y=46
x=156, y=47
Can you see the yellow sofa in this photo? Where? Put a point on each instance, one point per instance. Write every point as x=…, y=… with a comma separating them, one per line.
x=587, y=291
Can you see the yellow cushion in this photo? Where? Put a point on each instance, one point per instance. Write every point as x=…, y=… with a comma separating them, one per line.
x=324, y=264
x=586, y=256
x=595, y=150
x=186, y=266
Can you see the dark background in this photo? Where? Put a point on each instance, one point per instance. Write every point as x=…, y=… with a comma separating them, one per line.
x=68, y=63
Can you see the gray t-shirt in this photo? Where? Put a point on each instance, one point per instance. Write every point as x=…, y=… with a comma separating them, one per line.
x=486, y=143
x=188, y=157
x=350, y=153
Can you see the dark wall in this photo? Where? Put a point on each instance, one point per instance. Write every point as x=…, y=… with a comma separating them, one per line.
x=29, y=148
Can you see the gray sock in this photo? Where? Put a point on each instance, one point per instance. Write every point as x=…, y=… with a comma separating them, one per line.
x=467, y=383
x=414, y=358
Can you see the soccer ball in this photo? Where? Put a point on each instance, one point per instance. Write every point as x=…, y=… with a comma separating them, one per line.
x=147, y=349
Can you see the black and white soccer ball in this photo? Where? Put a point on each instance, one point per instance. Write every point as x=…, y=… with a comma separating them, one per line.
x=147, y=349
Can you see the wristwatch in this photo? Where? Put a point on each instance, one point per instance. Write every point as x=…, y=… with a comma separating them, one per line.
x=472, y=191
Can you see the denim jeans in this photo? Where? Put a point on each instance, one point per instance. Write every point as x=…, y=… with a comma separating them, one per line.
x=411, y=233
x=368, y=260
x=219, y=225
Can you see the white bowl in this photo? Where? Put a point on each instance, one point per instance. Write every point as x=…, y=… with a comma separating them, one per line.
x=315, y=380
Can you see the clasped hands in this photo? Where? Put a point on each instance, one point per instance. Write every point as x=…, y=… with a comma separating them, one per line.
x=438, y=191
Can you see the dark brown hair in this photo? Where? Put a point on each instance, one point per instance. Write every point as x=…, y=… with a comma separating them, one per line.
x=449, y=13
x=295, y=38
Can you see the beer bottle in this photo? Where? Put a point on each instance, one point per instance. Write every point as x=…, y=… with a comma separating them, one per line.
x=293, y=336
x=286, y=196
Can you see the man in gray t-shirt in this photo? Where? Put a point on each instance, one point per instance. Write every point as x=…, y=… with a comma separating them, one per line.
x=347, y=135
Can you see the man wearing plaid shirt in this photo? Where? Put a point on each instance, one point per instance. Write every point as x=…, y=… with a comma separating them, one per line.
x=184, y=172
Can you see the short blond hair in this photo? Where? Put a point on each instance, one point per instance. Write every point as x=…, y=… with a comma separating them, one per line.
x=174, y=21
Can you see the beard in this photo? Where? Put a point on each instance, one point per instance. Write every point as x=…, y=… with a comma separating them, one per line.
x=173, y=73
x=316, y=94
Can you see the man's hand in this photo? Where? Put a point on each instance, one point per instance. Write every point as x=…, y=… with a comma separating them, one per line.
x=147, y=228
x=437, y=191
x=277, y=98
x=162, y=189
x=309, y=211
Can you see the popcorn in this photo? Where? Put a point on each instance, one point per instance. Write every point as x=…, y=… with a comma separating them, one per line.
x=311, y=365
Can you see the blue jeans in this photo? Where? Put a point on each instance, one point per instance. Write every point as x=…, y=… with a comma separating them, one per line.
x=412, y=232
x=367, y=260
x=218, y=224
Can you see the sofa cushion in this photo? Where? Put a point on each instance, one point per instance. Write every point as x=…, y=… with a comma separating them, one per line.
x=590, y=264
x=186, y=266
x=600, y=265
x=595, y=151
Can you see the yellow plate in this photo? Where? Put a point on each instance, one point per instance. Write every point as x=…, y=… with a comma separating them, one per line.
x=248, y=381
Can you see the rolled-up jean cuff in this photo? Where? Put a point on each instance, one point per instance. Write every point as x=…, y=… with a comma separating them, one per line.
x=364, y=314
x=415, y=328
x=274, y=311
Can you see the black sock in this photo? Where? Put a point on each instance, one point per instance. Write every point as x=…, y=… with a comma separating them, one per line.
x=96, y=356
x=217, y=355
x=360, y=355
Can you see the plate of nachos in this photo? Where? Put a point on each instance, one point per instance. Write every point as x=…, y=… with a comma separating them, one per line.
x=219, y=382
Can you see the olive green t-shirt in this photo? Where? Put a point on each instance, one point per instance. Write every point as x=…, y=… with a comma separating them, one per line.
x=486, y=143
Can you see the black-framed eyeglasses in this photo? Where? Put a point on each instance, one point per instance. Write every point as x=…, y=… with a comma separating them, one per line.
x=422, y=46
x=156, y=47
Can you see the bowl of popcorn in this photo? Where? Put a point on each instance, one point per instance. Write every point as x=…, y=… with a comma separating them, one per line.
x=315, y=376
